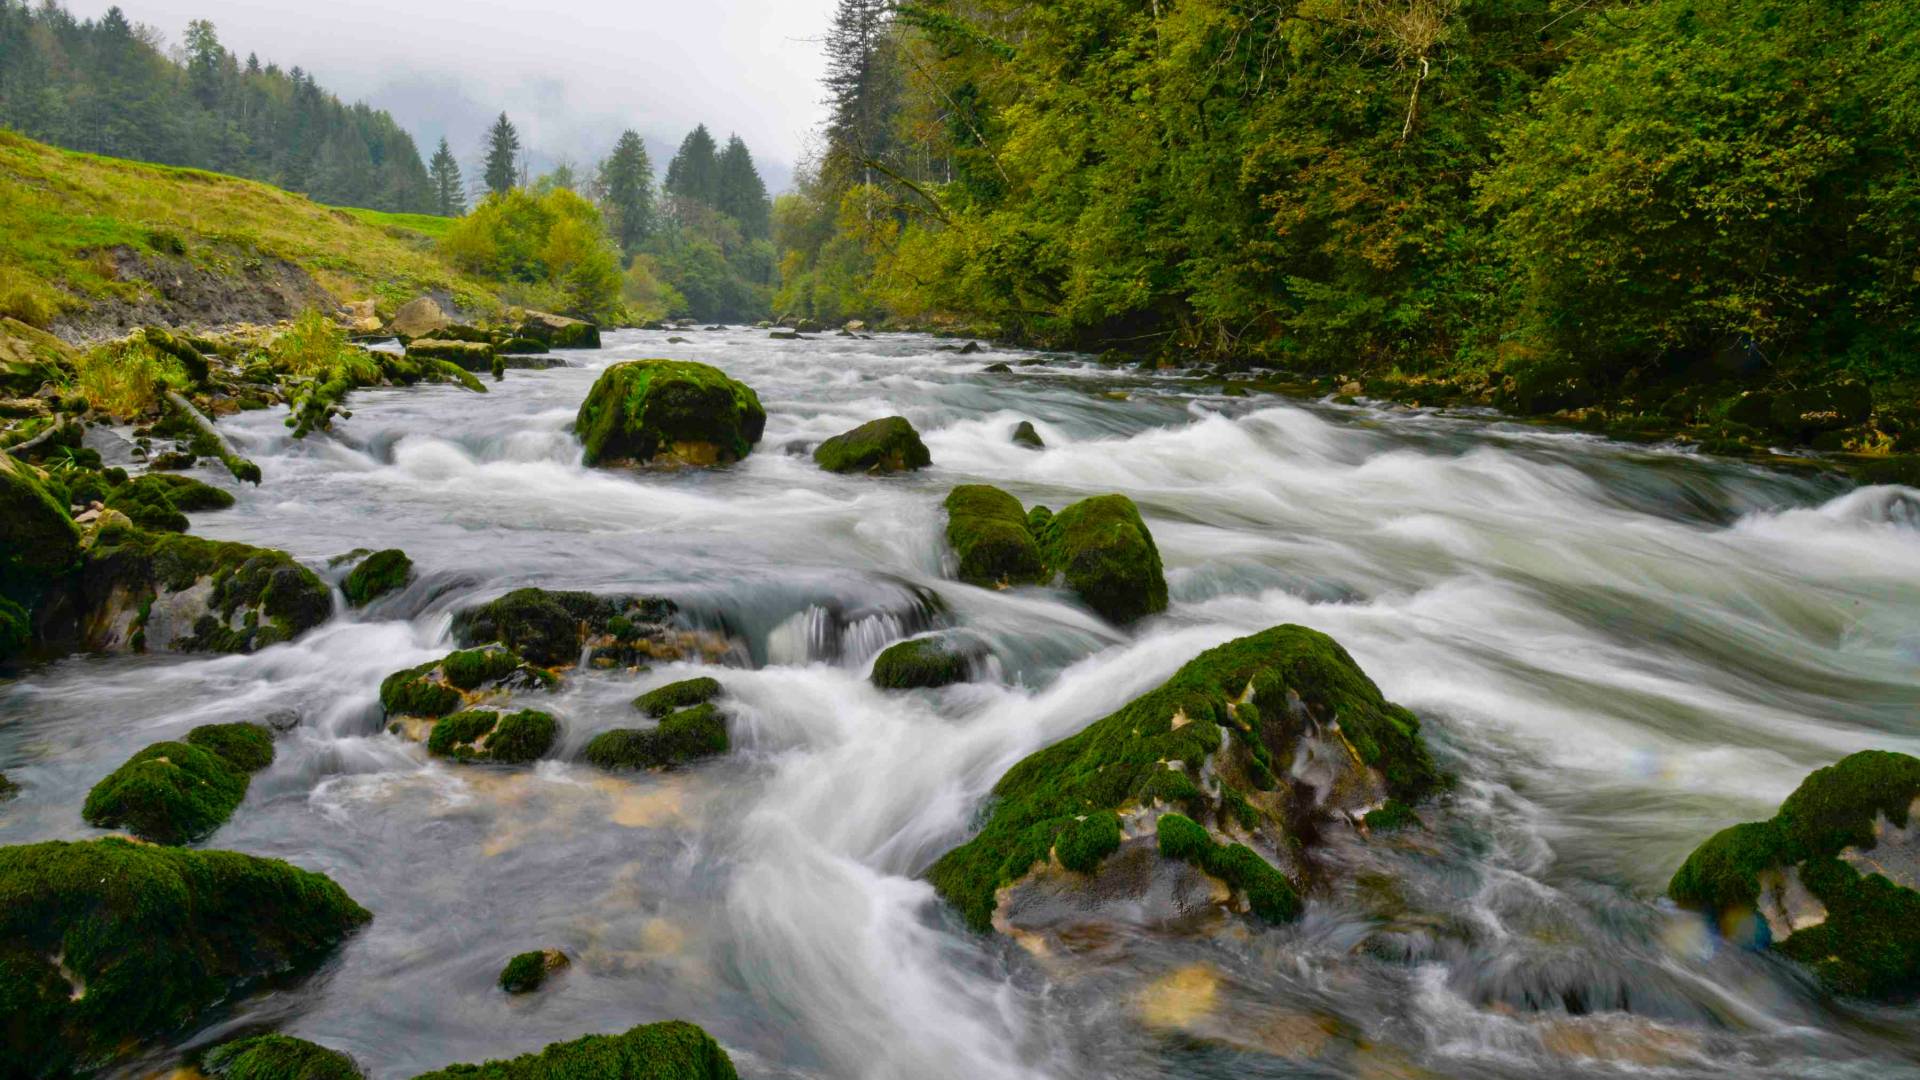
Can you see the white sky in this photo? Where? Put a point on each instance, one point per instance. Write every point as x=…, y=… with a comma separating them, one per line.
x=570, y=74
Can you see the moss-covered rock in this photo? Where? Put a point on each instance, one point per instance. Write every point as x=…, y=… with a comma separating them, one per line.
x=528, y=971
x=671, y=1050
x=377, y=575
x=445, y=686
x=168, y=793
x=684, y=736
x=466, y=355
x=558, y=331
x=988, y=531
x=248, y=747
x=888, y=445
x=38, y=540
x=1830, y=881
x=162, y=502
x=108, y=943
x=277, y=1057
x=555, y=629
x=1285, y=694
x=921, y=663
x=673, y=697
x=8, y=789
x=151, y=592
x=1107, y=556
x=1025, y=435
x=679, y=410
x=1269, y=894
x=484, y=735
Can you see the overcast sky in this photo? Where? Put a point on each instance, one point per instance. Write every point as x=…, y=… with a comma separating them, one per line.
x=571, y=73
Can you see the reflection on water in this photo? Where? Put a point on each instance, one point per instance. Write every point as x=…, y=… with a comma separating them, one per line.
x=1617, y=650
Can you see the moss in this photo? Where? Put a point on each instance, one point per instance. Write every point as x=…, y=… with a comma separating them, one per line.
x=168, y=793
x=159, y=501
x=1180, y=837
x=1269, y=894
x=1393, y=814
x=922, y=662
x=1121, y=760
x=671, y=1050
x=377, y=575
x=640, y=409
x=1869, y=944
x=546, y=627
x=286, y=598
x=470, y=669
x=483, y=735
x=37, y=538
x=988, y=532
x=413, y=692
x=1108, y=557
x=676, y=696
x=16, y=628
x=468, y=355
x=442, y=686
x=1083, y=843
x=524, y=973
x=685, y=736
x=155, y=935
x=248, y=747
x=278, y=1057
x=888, y=445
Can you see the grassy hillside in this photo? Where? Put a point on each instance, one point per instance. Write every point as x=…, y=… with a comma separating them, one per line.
x=409, y=226
x=72, y=224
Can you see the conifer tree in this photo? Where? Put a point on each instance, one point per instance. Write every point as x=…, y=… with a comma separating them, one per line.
x=741, y=194
x=449, y=191
x=503, y=148
x=694, y=172
x=626, y=178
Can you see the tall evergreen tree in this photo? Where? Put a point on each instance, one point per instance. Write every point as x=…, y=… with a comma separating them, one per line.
x=449, y=191
x=503, y=148
x=740, y=193
x=694, y=172
x=626, y=178
x=862, y=86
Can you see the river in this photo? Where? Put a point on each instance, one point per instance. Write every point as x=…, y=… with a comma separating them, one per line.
x=1618, y=650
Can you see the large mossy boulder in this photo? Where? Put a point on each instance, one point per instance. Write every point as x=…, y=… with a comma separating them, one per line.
x=988, y=531
x=377, y=575
x=669, y=410
x=168, y=592
x=1107, y=556
x=106, y=944
x=556, y=628
x=1830, y=881
x=888, y=445
x=1219, y=744
x=179, y=792
x=670, y=1050
x=277, y=1057
x=922, y=663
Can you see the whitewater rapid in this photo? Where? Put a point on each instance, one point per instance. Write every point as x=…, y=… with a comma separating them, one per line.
x=1617, y=650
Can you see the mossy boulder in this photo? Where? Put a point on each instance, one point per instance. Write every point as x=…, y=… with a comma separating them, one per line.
x=1829, y=881
x=1284, y=694
x=675, y=410
x=888, y=445
x=988, y=531
x=30, y=358
x=161, y=502
x=38, y=539
x=528, y=971
x=8, y=789
x=179, y=792
x=684, y=736
x=106, y=944
x=484, y=735
x=167, y=592
x=673, y=697
x=457, y=680
x=670, y=1050
x=556, y=628
x=277, y=1057
x=558, y=331
x=377, y=575
x=922, y=663
x=466, y=355
x=1107, y=557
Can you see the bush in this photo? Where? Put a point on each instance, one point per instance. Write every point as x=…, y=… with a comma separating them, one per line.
x=554, y=241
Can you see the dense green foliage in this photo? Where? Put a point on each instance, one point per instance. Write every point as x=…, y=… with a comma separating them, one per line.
x=277, y=1057
x=108, y=86
x=643, y=409
x=672, y=1050
x=1599, y=198
x=1869, y=942
x=155, y=935
x=555, y=244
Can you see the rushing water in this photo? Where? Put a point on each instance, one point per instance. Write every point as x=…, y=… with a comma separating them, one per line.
x=1618, y=651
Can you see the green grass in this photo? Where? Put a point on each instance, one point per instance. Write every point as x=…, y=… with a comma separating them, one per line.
x=407, y=226
x=61, y=211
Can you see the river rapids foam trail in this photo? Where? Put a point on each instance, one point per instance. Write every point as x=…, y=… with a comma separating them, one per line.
x=1618, y=650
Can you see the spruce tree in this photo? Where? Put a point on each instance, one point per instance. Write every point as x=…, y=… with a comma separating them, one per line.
x=449, y=191
x=503, y=148
x=627, y=179
x=694, y=172
x=741, y=194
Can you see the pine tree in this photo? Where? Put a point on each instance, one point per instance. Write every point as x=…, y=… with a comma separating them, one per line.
x=741, y=194
x=449, y=192
x=694, y=172
x=204, y=62
x=503, y=148
x=861, y=86
x=627, y=179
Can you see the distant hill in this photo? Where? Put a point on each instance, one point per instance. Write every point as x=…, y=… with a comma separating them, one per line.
x=104, y=86
x=92, y=246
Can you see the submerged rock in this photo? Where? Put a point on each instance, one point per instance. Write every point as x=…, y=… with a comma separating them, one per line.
x=888, y=445
x=528, y=971
x=676, y=410
x=988, y=531
x=671, y=1050
x=110, y=943
x=923, y=663
x=377, y=575
x=278, y=1057
x=1107, y=556
x=179, y=792
x=166, y=592
x=1205, y=745
x=1830, y=881
x=484, y=735
x=1025, y=435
